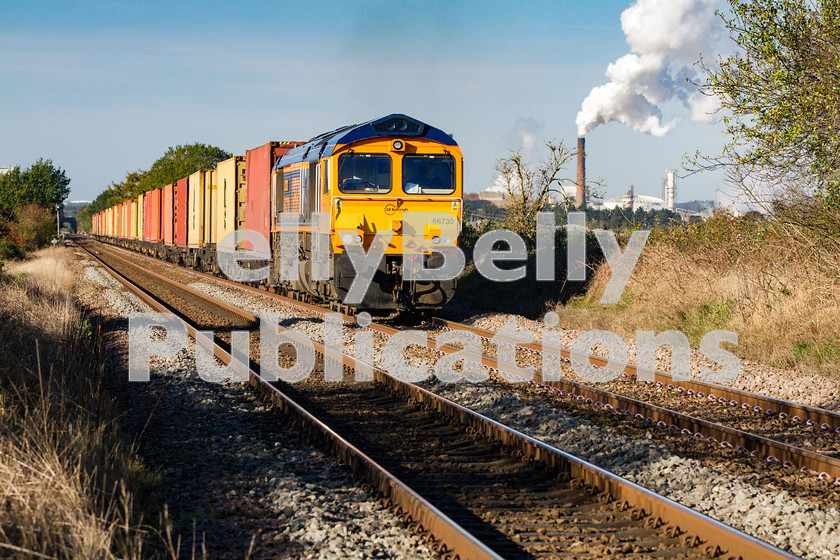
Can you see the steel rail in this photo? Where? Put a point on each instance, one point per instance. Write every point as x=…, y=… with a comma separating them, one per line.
x=457, y=541
x=263, y=291
x=816, y=416
x=241, y=313
x=696, y=529
x=719, y=538
x=771, y=450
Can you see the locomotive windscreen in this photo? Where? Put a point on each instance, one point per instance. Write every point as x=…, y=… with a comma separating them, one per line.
x=428, y=174
x=364, y=173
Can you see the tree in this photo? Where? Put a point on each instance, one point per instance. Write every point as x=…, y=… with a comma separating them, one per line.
x=528, y=187
x=180, y=161
x=11, y=191
x=780, y=94
x=130, y=187
x=176, y=163
x=41, y=184
x=34, y=227
x=45, y=185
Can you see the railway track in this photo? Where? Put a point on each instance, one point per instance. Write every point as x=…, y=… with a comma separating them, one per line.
x=206, y=312
x=795, y=413
x=692, y=390
x=721, y=416
x=476, y=487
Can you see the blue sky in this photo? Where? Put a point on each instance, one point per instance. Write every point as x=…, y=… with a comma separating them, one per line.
x=104, y=87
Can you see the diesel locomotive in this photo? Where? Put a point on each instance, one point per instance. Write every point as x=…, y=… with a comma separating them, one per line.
x=361, y=183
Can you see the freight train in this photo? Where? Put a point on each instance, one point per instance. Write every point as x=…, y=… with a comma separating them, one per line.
x=364, y=179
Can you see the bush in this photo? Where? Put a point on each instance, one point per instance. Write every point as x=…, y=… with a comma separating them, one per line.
x=33, y=228
x=527, y=296
x=9, y=250
x=470, y=233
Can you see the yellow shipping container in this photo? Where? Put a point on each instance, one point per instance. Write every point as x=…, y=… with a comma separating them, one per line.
x=230, y=189
x=195, y=211
x=141, y=215
x=133, y=232
x=211, y=205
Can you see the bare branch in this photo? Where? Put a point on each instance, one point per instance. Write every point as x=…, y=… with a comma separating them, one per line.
x=529, y=188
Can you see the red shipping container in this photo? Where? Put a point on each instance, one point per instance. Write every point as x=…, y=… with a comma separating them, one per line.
x=147, y=216
x=179, y=211
x=159, y=215
x=154, y=218
x=166, y=214
x=258, y=165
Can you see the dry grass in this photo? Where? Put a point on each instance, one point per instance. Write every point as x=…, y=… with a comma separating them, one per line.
x=782, y=298
x=63, y=469
x=47, y=269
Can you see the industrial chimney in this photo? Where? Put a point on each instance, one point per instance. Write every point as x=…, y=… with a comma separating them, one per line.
x=629, y=199
x=580, y=193
x=670, y=194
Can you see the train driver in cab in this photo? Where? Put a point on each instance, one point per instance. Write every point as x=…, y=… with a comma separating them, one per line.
x=360, y=174
x=429, y=174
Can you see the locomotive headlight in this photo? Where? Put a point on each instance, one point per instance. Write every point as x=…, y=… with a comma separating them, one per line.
x=435, y=239
x=430, y=231
x=357, y=238
x=398, y=145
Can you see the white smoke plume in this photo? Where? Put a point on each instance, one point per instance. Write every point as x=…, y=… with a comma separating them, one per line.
x=524, y=136
x=666, y=38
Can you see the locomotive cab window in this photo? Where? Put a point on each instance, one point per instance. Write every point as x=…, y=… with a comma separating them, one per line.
x=428, y=174
x=364, y=173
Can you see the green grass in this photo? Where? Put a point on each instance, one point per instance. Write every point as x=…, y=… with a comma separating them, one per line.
x=819, y=353
x=698, y=321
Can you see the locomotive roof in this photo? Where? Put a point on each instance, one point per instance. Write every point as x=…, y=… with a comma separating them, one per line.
x=392, y=125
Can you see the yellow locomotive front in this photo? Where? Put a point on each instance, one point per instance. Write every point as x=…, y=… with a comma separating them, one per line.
x=389, y=194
